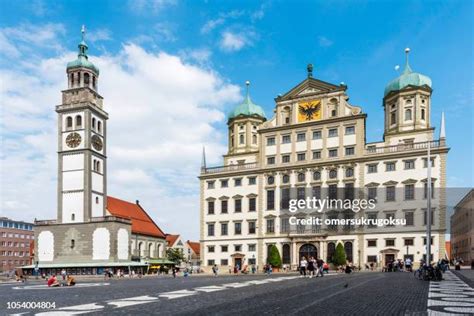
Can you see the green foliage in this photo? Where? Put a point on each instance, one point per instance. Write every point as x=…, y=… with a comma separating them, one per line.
x=175, y=255
x=339, y=256
x=274, y=258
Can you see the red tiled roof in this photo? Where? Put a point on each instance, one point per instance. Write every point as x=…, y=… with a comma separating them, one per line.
x=171, y=239
x=195, y=246
x=141, y=221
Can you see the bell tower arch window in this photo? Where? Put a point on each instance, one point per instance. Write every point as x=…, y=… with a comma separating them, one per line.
x=99, y=126
x=86, y=79
x=423, y=114
x=408, y=116
x=93, y=123
x=69, y=122
x=78, y=121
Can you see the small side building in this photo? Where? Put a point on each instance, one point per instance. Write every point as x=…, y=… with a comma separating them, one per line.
x=462, y=229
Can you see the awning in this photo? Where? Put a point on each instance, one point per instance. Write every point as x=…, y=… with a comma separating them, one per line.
x=86, y=265
x=160, y=261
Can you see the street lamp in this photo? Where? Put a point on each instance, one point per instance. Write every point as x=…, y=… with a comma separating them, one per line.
x=428, y=206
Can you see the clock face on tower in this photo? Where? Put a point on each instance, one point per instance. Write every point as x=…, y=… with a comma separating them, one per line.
x=96, y=142
x=73, y=140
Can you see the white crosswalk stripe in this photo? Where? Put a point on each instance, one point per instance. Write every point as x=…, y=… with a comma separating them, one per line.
x=450, y=297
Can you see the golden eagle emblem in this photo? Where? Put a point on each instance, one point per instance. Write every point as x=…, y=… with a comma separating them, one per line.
x=309, y=111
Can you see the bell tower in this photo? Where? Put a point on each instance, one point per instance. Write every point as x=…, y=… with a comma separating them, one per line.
x=82, y=135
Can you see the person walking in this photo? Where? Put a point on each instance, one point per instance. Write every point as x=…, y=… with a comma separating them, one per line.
x=311, y=267
x=303, y=264
x=215, y=269
x=320, y=267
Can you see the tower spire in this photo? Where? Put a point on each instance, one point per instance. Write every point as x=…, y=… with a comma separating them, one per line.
x=309, y=68
x=247, y=83
x=83, y=32
x=203, y=160
x=82, y=45
x=407, y=65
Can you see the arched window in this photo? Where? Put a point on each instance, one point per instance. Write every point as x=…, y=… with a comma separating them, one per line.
x=422, y=114
x=78, y=121
x=73, y=243
x=308, y=251
x=86, y=79
x=96, y=200
x=94, y=82
x=271, y=180
x=348, y=250
x=72, y=80
x=99, y=126
x=98, y=166
x=73, y=217
x=254, y=139
x=140, y=244
x=349, y=172
x=69, y=122
x=333, y=174
x=93, y=123
x=301, y=177
x=408, y=115
x=331, y=251
x=286, y=178
x=316, y=175
x=286, y=258
x=393, y=118
x=150, y=250
x=241, y=139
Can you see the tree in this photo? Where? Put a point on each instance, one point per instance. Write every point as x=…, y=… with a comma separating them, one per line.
x=339, y=256
x=175, y=255
x=274, y=258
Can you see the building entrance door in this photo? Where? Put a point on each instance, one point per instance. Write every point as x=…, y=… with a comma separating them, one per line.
x=308, y=251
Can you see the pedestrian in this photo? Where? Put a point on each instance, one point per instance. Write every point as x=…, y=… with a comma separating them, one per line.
x=303, y=264
x=253, y=269
x=319, y=267
x=63, y=274
x=269, y=269
x=325, y=267
x=215, y=269
x=174, y=272
x=311, y=267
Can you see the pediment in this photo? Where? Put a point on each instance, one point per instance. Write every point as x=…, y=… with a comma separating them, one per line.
x=308, y=87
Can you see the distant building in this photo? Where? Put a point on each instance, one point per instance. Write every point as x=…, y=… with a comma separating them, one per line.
x=174, y=241
x=193, y=254
x=16, y=238
x=448, y=249
x=462, y=229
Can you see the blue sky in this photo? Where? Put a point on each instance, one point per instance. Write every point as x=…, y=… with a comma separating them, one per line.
x=221, y=44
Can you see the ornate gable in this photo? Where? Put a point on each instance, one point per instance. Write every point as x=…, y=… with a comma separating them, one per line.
x=310, y=86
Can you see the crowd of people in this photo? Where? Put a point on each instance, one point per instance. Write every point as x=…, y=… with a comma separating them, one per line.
x=313, y=267
x=66, y=280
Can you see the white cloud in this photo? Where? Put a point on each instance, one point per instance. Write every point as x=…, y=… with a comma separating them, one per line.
x=98, y=35
x=324, y=41
x=211, y=25
x=162, y=111
x=149, y=6
x=232, y=42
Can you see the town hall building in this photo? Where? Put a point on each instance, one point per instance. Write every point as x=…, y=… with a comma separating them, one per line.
x=314, y=145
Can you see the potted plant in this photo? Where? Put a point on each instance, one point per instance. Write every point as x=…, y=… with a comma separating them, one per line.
x=274, y=258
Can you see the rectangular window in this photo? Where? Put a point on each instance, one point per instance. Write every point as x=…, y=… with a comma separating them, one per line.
x=409, y=164
x=285, y=198
x=252, y=204
x=316, y=134
x=238, y=228
x=389, y=216
x=350, y=151
x=390, y=166
x=238, y=206
x=210, y=249
x=317, y=192
x=270, y=225
x=300, y=193
x=270, y=141
x=210, y=207
x=237, y=247
x=210, y=262
x=425, y=190
x=372, y=193
x=286, y=139
x=317, y=154
x=270, y=199
x=349, y=191
x=285, y=225
x=350, y=130
x=301, y=137
x=224, y=206
x=252, y=180
x=372, y=259
x=409, y=192
x=252, y=227
x=224, y=183
x=332, y=132
x=210, y=184
x=409, y=242
x=390, y=193
x=285, y=158
x=332, y=191
x=389, y=242
x=252, y=247
x=270, y=160
x=224, y=229
x=372, y=243
x=210, y=229
x=238, y=182
x=424, y=242
x=332, y=153
x=301, y=156
x=224, y=262
x=410, y=218
x=372, y=168
x=224, y=248
x=425, y=217
x=425, y=162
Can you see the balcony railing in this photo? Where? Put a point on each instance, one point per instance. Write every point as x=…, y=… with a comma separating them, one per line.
x=111, y=219
x=371, y=150
x=230, y=168
x=45, y=222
